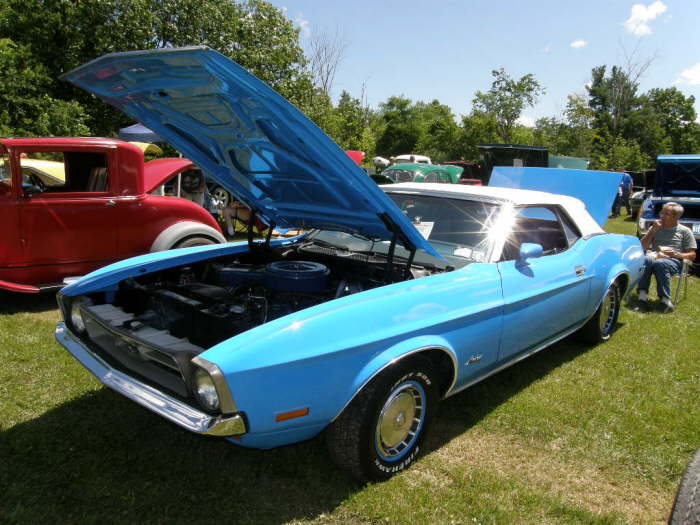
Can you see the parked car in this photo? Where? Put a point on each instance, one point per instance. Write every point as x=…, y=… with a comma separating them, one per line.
x=412, y=159
x=414, y=172
x=394, y=298
x=71, y=205
x=637, y=198
x=677, y=179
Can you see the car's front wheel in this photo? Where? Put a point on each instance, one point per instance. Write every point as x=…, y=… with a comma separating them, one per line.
x=382, y=430
x=601, y=326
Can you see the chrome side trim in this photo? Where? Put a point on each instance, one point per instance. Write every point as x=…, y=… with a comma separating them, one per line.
x=148, y=397
x=228, y=404
x=518, y=358
x=396, y=360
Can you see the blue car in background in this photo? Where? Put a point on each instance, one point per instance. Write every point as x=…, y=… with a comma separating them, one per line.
x=393, y=298
x=677, y=180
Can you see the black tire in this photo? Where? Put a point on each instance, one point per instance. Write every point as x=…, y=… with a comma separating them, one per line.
x=194, y=240
x=601, y=326
x=381, y=431
x=686, y=508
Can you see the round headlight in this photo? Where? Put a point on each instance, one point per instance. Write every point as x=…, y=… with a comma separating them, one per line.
x=75, y=318
x=205, y=390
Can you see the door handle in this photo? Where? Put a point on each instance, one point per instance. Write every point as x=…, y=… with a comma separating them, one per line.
x=111, y=202
x=580, y=270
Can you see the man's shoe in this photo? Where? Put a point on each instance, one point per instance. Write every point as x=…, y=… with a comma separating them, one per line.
x=641, y=306
x=667, y=305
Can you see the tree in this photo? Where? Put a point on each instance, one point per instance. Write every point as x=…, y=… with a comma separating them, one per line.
x=400, y=129
x=439, y=133
x=621, y=154
x=352, y=118
x=507, y=99
x=666, y=122
x=62, y=34
x=327, y=52
x=476, y=128
x=25, y=109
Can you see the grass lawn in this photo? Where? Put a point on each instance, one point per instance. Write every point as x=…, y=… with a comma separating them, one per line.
x=575, y=434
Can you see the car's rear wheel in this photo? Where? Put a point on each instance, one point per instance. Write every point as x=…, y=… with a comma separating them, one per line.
x=381, y=432
x=601, y=326
x=195, y=240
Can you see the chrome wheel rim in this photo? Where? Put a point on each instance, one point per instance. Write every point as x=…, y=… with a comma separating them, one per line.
x=400, y=421
x=220, y=197
x=607, y=312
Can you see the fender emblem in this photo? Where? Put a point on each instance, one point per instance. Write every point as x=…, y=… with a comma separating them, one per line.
x=474, y=359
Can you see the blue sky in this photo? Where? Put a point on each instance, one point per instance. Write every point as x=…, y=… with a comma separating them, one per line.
x=446, y=49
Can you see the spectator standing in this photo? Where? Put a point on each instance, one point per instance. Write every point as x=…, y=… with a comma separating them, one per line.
x=626, y=186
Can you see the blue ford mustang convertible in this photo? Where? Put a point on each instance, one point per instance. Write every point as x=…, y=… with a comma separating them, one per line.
x=392, y=299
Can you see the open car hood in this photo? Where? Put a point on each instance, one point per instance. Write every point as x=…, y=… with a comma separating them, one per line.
x=248, y=138
x=677, y=176
x=597, y=189
x=160, y=171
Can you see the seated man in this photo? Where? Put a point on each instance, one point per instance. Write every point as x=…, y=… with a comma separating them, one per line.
x=667, y=243
x=236, y=217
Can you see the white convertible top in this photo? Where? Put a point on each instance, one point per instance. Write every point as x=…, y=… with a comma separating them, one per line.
x=574, y=207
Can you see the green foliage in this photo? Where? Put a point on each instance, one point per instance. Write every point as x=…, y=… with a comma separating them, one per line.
x=506, y=100
x=62, y=34
x=25, y=109
x=477, y=128
x=612, y=98
x=618, y=153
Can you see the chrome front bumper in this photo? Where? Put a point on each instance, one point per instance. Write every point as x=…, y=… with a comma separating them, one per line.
x=154, y=400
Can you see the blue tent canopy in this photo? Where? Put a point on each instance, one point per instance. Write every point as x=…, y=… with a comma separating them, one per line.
x=138, y=133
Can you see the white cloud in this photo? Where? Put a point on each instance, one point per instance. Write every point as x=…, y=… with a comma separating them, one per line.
x=690, y=76
x=640, y=16
x=577, y=44
x=547, y=48
x=303, y=25
x=528, y=122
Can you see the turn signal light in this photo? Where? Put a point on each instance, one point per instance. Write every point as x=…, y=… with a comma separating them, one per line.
x=284, y=416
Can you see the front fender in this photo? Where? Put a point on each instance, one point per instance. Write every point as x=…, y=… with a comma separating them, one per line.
x=316, y=360
x=400, y=351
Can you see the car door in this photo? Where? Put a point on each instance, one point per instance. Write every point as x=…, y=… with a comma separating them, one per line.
x=544, y=297
x=10, y=247
x=70, y=222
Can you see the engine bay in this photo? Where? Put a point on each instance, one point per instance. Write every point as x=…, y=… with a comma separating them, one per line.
x=210, y=301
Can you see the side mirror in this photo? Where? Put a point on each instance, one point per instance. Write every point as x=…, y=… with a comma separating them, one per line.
x=530, y=251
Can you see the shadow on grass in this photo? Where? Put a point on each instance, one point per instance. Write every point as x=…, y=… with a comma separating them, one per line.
x=102, y=456
x=460, y=412
x=13, y=303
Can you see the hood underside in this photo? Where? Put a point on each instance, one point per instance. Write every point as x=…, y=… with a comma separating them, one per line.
x=596, y=189
x=677, y=176
x=248, y=138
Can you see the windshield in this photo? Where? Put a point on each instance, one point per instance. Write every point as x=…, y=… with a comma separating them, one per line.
x=462, y=231
x=400, y=175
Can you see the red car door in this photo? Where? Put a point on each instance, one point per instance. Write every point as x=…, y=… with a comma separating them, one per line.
x=10, y=247
x=69, y=227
